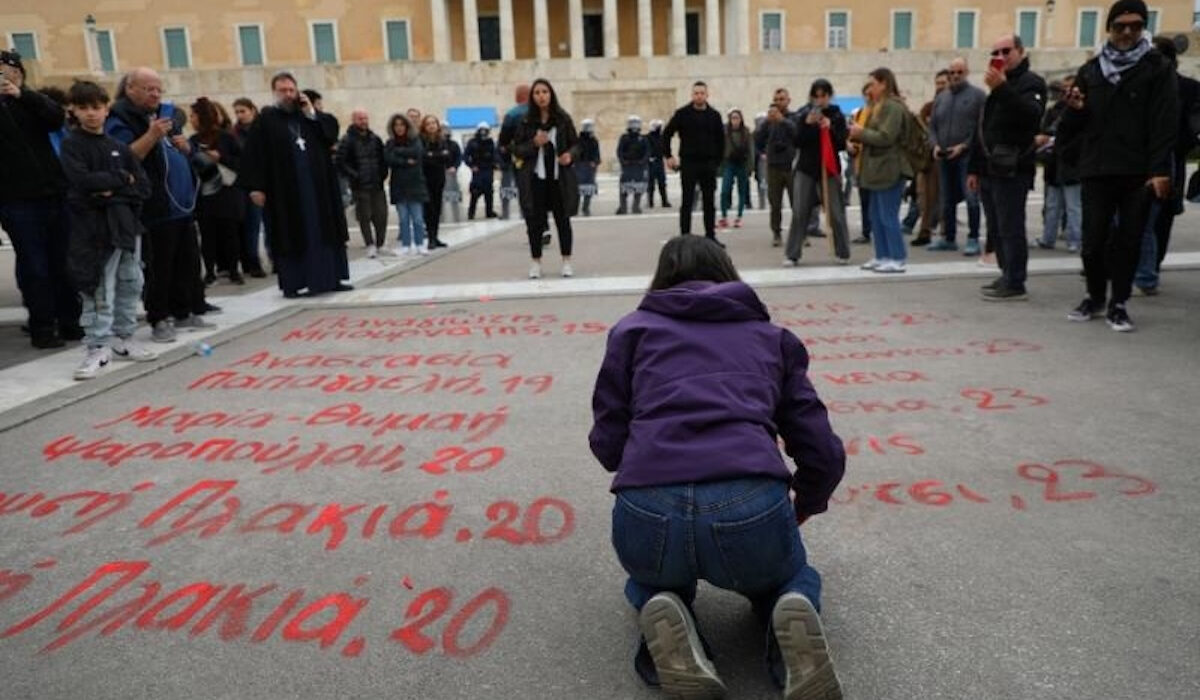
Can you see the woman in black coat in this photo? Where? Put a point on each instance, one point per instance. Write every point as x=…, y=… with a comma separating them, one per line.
x=436, y=159
x=547, y=144
x=221, y=207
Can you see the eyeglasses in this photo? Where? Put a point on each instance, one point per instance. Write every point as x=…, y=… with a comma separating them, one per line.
x=1135, y=27
x=1003, y=51
x=955, y=72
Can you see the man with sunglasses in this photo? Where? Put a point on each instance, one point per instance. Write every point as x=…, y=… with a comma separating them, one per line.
x=1124, y=109
x=1003, y=165
x=952, y=128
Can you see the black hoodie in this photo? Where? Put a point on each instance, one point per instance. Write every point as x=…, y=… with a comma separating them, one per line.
x=29, y=169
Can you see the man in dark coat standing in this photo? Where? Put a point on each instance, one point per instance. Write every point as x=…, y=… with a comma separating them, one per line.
x=482, y=157
x=701, y=148
x=32, y=206
x=360, y=158
x=1124, y=107
x=289, y=171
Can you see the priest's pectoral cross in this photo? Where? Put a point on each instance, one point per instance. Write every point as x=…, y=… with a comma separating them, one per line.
x=300, y=142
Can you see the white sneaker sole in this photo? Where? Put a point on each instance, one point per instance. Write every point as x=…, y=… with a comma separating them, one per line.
x=1120, y=328
x=810, y=674
x=683, y=669
x=81, y=376
x=118, y=357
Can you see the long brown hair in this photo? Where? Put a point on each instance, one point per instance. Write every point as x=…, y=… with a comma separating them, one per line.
x=888, y=78
x=208, y=120
x=437, y=136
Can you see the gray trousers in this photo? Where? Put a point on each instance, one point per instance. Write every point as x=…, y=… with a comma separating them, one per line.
x=806, y=196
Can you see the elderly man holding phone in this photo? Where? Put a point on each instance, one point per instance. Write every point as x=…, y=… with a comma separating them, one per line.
x=1002, y=164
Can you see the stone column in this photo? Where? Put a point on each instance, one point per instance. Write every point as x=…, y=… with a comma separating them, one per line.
x=712, y=27
x=471, y=30
x=575, y=10
x=645, y=29
x=678, y=28
x=541, y=30
x=508, y=46
x=441, y=31
x=743, y=28
x=612, y=44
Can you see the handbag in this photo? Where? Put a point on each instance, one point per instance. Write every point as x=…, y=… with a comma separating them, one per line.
x=1002, y=160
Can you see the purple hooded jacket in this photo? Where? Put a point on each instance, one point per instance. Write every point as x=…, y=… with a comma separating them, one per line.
x=697, y=384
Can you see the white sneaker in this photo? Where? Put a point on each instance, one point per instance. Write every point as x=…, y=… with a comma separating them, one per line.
x=535, y=271
x=129, y=350
x=890, y=266
x=393, y=252
x=95, y=360
x=372, y=252
x=788, y=262
x=871, y=264
x=567, y=270
x=423, y=250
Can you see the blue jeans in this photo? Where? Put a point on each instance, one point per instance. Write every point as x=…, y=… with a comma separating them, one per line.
x=112, y=308
x=729, y=174
x=1146, y=276
x=740, y=535
x=38, y=230
x=885, y=223
x=1058, y=198
x=412, y=223
x=954, y=190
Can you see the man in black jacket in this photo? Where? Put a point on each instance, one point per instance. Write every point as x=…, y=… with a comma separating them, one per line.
x=658, y=172
x=1124, y=108
x=1002, y=163
x=701, y=147
x=777, y=141
x=359, y=156
x=481, y=156
x=32, y=207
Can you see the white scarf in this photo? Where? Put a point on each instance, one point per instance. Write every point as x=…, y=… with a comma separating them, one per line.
x=1114, y=62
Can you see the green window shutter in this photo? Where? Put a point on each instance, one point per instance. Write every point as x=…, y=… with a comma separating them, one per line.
x=324, y=45
x=902, y=30
x=397, y=40
x=1152, y=22
x=772, y=31
x=104, y=46
x=1027, y=28
x=1088, y=22
x=965, y=35
x=250, y=39
x=25, y=45
x=177, y=50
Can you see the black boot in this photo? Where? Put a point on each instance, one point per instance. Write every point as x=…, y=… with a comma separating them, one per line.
x=622, y=210
x=637, y=202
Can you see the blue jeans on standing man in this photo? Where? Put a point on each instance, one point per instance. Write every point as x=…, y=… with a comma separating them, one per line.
x=954, y=190
x=412, y=223
x=739, y=534
x=1146, y=276
x=885, y=223
x=1058, y=199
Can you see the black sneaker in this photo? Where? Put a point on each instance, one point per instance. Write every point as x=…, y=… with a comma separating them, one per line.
x=1118, y=318
x=994, y=284
x=1004, y=294
x=1086, y=311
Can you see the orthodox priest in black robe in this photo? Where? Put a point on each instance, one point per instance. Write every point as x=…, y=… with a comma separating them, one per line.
x=288, y=169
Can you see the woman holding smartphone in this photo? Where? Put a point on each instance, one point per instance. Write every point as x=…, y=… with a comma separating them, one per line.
x=547, y=144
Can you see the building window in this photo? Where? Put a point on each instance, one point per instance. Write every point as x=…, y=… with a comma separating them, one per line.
x=1152, y=22
x=175, y=45
x=902, y=29
x=24, y=43
x=1089, y=24
x=771, y=30
x=593, y=35
x=692, y=32
x=324, y=42
x=1027, y=27
x=964, y=29
x=250, y=45
x=489, y=39
x=395, y=33
x=106, y=50
x=837, y=29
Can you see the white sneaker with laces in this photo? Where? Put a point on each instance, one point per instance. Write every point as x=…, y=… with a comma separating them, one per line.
x=424, y=249
x=129, y=350
x=872, y=264
x=567, y=270
x=95, y=360
x=535, y=271
x=393, y=252
x=372, y=252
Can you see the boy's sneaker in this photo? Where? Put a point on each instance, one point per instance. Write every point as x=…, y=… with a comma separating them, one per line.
x=1118, y=318
x=972, y=247
x=393, y=252
x=129, y=350
x=95, y=360
x=684, y=670
x=808, y=672
x=194, y=323
x=871, y=264
x=535, y=271
x=567, y=270
x=423, y=249
x=891, y=267
x=163, y=332
x=372, y=252
x=788, y=262
x=1086, y=311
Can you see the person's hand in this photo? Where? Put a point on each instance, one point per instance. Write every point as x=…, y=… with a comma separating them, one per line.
x=475, y=169
x=673, y=163
x=1041, y=140
x=306, y=105
x=994, y=78
x=161, y=127
x=412, y=161
x=1161, y=186
x=181, y=144
x=564, y=159
x=972, y=183
x=214, y=154
x=813, y=116
x=825, y=123
x=541, y=138
x=957, y=151
x=9, y=88
x=1075, y=98
x=105, y=193
x=259, y=198
x=855, y=132
x=130, y=178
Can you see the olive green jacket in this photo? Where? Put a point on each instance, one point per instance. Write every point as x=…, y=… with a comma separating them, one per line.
x=883, y=162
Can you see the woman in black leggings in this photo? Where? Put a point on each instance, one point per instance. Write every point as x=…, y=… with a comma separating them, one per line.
x=436, y=160
x=547, y=144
